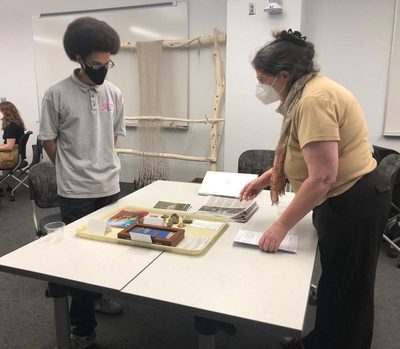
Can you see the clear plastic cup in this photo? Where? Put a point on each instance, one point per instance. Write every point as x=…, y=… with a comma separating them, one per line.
x=55, y=230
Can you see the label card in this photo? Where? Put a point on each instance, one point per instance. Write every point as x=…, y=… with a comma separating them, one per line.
x=153, y=221
x=140, y=237
x=97, y=226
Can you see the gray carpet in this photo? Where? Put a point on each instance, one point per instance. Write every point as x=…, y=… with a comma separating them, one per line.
x=26, y=315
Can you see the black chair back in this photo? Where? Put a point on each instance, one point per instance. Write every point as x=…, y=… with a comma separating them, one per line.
x=256, y=161
x=43, y=185
x=380, y=153
x=22, y=144
x=391, y=166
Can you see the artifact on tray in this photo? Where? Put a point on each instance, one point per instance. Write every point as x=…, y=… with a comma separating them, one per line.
x=125, y=218
x=159, y=235
x=187, y=220
x=174, y=218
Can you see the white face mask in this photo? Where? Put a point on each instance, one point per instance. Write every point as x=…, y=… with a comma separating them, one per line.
x=266, y=93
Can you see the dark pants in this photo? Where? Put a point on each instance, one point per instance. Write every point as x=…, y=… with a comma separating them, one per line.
x=82, y=303
x=350, y=228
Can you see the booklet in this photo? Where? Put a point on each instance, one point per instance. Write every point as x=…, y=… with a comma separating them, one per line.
x=234, y=209
x=178, y=206
x=289, y=243
x=125, y=218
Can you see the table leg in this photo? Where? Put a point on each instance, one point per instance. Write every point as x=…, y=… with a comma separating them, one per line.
x=61, y=316
x=206, y=341
x=207, y=329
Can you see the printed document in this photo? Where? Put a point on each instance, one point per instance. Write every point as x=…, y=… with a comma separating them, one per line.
x=234, y=209
x=289, y=243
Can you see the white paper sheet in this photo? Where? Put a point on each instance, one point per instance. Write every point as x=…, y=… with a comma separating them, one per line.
x=224, y=183
x=289, y=243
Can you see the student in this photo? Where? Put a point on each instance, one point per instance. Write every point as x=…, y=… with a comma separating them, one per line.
x=13, y=129
x=324, y=152
x=82, y=117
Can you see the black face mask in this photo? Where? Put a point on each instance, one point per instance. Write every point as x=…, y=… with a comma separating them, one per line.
x=96, y=75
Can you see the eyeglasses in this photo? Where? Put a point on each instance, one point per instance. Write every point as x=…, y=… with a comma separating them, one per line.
x=97, y=66
x=261, y=79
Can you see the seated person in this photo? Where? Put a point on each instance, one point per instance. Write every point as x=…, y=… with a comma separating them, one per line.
x=13, y=129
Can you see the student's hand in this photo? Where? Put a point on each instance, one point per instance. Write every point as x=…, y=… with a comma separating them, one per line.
x=272, y=237
x=253, y=188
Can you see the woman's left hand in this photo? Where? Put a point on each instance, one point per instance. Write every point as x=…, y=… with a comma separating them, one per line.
x=272, y=237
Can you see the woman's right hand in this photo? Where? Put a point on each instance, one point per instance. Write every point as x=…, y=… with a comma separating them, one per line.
x=253, y=188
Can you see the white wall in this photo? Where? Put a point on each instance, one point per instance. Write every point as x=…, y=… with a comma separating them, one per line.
x=204, y=16
x=17, y=71
x=353, y=41
x=249, y=123
x=17, y=68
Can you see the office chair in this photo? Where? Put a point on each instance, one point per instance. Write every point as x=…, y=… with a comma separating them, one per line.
x=380, y=153
x=18, y=172
x=392, y=236
x=256, y=161
x=43, y=194
x=390, y=164
x=37, y=153
x=37, y=156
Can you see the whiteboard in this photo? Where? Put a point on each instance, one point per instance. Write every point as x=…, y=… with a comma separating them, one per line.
x=392, y=113
x=141, y=23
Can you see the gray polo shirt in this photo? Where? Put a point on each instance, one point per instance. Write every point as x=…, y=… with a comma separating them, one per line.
x=84, y=120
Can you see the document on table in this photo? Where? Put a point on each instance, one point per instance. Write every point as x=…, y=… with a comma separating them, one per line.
x=289, y=243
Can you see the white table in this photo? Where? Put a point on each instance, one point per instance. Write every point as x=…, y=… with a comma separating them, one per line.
x=76, y=262
x=229, y=282
x=232, y=281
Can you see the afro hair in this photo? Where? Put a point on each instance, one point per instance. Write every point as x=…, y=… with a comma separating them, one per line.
x=86, y=35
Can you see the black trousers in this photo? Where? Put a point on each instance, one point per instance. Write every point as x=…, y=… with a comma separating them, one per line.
x=349, y=228
x=82, y=302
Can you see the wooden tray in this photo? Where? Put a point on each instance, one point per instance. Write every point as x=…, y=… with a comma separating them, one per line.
x=175, y=235
x=199, y=235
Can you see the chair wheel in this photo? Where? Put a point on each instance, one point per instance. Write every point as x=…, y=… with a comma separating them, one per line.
x=392, y=253
x=12, y=198
x=47, y=293
x=312, y=298
x=398, y=263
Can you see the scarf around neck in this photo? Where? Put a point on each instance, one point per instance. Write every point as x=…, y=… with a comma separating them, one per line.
x=286, y=108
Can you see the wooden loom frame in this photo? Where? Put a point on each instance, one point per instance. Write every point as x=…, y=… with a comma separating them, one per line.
x=215, y=39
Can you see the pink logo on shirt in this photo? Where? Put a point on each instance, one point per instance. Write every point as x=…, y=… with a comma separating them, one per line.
x=107, y=106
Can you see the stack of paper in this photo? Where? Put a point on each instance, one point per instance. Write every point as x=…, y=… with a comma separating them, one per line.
x=234, y=209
